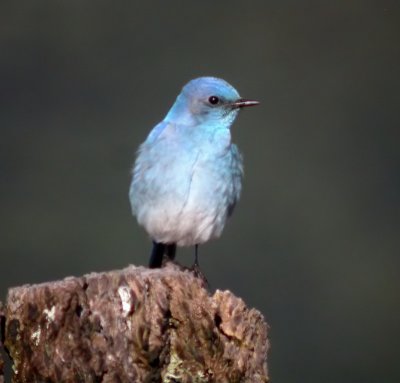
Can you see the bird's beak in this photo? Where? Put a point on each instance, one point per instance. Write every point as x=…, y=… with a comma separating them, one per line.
x=241, y=103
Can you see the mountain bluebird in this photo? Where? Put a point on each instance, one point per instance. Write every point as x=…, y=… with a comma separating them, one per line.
x=187, y=176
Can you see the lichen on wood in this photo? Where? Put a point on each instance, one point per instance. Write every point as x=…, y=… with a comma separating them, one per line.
x=133, y=325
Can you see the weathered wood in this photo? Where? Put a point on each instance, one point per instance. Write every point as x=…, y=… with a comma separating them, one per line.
x=133, y=325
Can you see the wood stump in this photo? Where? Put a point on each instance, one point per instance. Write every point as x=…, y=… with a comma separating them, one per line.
x=133, y=325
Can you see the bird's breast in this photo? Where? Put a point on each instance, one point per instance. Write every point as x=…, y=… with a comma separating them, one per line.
x=182, y=194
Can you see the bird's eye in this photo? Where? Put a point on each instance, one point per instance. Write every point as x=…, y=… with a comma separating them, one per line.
x=213, y=100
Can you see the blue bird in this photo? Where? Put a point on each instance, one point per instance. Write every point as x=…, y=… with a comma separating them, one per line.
x=187, y=177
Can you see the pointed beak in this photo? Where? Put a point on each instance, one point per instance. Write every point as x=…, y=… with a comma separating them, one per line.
x=241, y=103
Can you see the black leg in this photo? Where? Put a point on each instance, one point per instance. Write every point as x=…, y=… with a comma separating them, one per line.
x=156, y=256
x=171, y=251
x=196, y=256
x=196, y=267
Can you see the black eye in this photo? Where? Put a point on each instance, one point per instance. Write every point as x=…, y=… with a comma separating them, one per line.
x=213, y=100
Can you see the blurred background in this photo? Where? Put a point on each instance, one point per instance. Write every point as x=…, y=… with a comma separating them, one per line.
x=314, y=242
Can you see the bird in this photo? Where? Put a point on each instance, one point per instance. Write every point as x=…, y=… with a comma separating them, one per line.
x=187, y=176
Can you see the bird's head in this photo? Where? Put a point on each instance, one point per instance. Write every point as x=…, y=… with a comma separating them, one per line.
x=208, y=100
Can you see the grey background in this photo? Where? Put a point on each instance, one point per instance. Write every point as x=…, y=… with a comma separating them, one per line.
x=314, y=242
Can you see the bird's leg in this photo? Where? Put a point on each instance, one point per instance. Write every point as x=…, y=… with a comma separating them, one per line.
x=156, y=256
x=196, y=267
x=170, y=251
x=196, y=257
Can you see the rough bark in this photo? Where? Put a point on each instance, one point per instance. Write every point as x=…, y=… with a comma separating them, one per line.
x=133, y=325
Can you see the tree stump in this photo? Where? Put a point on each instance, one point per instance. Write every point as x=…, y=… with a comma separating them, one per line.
x=133, y=325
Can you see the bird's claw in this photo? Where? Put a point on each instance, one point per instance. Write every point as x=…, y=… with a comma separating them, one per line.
x=195, y=269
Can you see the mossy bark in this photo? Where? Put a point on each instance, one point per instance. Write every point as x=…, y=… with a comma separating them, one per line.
x=133, y=325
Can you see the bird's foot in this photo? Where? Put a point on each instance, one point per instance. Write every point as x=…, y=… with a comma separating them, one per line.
x=195, y=269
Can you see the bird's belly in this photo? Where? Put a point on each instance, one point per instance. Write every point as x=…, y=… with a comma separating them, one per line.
x=194, y=219
x=186, y=200
x=191, y=223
